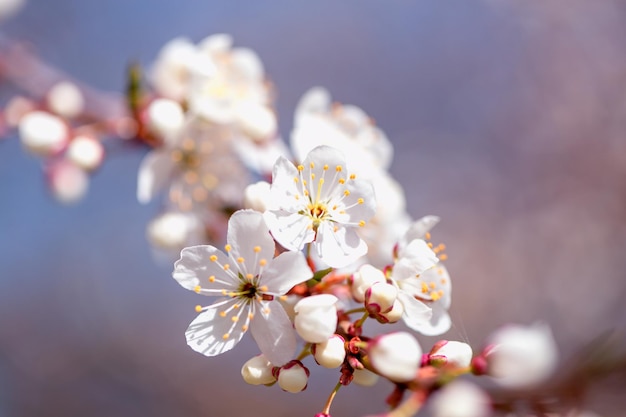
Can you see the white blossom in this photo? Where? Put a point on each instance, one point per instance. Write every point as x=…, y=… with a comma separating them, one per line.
x=461, y=398
x=316, y=317
x=331, y=353
x=396, y=356
x=68, y=183
x=320, y=202
x=43, y=133
x=521, y=356
x=66, y=100
x=165, y=118
x=293, y=377
x=86, y=152
x=248, y=281
x=174, y=230
x=258, y=371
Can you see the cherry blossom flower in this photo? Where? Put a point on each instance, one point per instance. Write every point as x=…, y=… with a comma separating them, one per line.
x=461, y=399
x=249, y=283
x=320, y=202
x=396, y=356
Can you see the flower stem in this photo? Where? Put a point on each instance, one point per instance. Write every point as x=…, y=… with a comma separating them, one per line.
x=306, y=351
x=359, y=322
x=355, y=310
x=331, y=397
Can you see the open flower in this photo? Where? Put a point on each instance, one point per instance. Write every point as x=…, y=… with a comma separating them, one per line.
x=248, y=282
x=320, y=202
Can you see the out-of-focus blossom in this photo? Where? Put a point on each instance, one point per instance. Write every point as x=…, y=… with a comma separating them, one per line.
x=199, y=168
x=165, y=118
x=348, y=128
x=174, y=230
x=316, y=317
x=248, y=281
x=451, y=353
x=293, y=377
x=257, y=196
x=10, y=7
x=68, y=183
x=461, y=398
x=331, y=353
x=86, y=152
x=16, y=108
x=320, y=202
x=43, y=133
x=171, y=72
x=521, y=356
x=396, y=356
x=258, y=371
x=66, y=100
x=235, y=91
x=433, y=286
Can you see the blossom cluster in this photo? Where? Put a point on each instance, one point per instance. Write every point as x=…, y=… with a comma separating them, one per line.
x=318, y=239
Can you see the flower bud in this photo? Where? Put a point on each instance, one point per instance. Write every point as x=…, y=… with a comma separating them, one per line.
x=396, y=356
x=316, y=317
x=258, y=371
x=43, y=133
x=461, y=399
x=379, y=298
x=293, y=377
x=165, y=117
x=364, y=377
x=451, y=353
x=331, y=353
x=85, y=152
x=393, y=315
x=66, y=100
x=257, y=196
x=521, y=356
x=68, y=182
x=364, y=278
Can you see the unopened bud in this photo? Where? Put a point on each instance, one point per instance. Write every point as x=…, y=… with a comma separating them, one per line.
x=66, y=100
x=68, y=182
x=393, y=315
x=451, y=353
x=43, y=133
x=258, y=371
x=365, y=277
x=396, y=356
x=380, y=297
x=86, y=152
x=293, y=377
x=331, y=353
x=316, y=317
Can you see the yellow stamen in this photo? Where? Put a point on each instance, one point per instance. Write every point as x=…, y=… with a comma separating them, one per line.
x=262, y=262
x=362, y=223
x=228, y=248
x=360, y=201
x=240, y=260
x=222, y=314
x=226, y=267
x=198, y=308
x=257, y=249
x=213, y=258
x=352, y=176
x=212, y=278
x=338, y=168
x=197, y=289
x=300, y=168
x=226, y=336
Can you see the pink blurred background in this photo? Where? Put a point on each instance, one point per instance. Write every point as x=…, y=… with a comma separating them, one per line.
x=508, y=120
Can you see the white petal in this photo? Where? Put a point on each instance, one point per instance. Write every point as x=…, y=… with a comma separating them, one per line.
x=195, y=268
x=419, y=228
x=291, y=230
x=246, y=231
x=154, y=173
x=416, y=258
x=285, y=271
x=416, y=313
x=360, y=189
x=217, y=43
x=317, y=100
x=438, y=324
x=340, y=248
x=284, y=189
x=274, y=333
x=247, y=63
x=207, y=333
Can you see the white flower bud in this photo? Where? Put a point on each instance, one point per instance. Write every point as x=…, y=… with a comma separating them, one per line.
x=86, y=152
x=365, y=277
x=380, y=297
x=257, y=196
x=396, y=356
x=331, y=353
x=461, y=399
x=68, y=182
x=165, y=117
x=364, y=377
x=258, y=371
x=43, y=133
x=396, y=312
x=66, y=100
x=316, y=317
x=293, y=377
x=257, y=121
x=520, y=356
x=451, y=353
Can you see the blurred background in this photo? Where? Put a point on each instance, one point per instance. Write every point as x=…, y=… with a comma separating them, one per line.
x=508, y=120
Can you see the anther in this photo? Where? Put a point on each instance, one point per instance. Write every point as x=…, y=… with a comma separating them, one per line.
x=300, y=168
x=263, y=288
x=249, y=276
x=212, y=278
x=325, y=167
x=443, y=257
x=244, y=328
x=338, y=168
x=312, y=165
x=257, y=249
x=240, y=260
x=226, y=267
x=197, y=289
x=235, y=319
x=342, y=181
x=222, y=314
x=430, y=244
x=213, y=258
x=228, y=248
x=262, y=262
x=360, y=201
x=226, y=336
x=427, y=236
x=346, y=192
x=362, y=223
x=198, y=308
x=352, y=176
